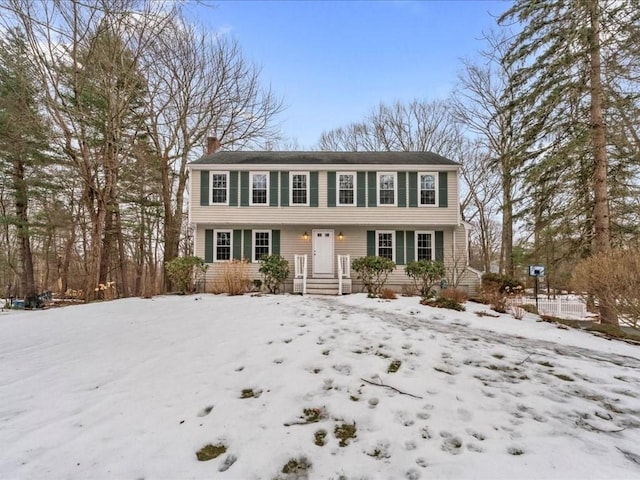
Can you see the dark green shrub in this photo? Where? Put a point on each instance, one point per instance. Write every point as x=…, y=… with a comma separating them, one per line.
x=425, y=275
x=530, y=308
x=274, y=270
x=443, y=302
x=181, y=271
x=373, y=271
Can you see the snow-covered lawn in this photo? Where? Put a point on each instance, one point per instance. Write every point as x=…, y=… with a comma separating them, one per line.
x=132, y=389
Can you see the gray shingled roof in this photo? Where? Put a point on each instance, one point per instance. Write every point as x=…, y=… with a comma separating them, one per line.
x=323, y=158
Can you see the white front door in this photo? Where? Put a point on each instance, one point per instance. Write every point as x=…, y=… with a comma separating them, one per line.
x=322, y=252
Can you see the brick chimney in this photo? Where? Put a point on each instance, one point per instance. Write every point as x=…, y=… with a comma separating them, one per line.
x=213, y=144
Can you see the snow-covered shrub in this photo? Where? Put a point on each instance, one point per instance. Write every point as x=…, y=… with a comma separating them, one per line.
x=425, y=275
x=373, y=271
x=274, y=270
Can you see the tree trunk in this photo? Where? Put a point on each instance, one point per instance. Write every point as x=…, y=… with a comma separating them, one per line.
x=27, y=279
x=602, y=238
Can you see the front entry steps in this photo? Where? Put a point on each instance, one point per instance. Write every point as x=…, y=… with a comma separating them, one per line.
x=327, y=286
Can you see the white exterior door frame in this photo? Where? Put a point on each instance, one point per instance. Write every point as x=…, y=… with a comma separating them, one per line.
x=323, y=244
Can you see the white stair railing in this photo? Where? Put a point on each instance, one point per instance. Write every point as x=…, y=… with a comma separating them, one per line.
x=344, y=270
x=300, y=277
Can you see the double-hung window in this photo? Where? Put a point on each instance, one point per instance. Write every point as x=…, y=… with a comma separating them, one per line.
x=222, y=247
x=219, y=188
x=346, y=188
x=424, y=246
x=428, y=188
x=385, y=242
x=261, y=244
x=259, y=188
x=299, y=188
x=387, y=185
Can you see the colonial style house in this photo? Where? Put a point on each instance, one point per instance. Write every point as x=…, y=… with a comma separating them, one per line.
x=320, y=210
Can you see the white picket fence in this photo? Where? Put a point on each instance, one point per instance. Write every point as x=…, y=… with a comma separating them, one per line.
x=559, y=307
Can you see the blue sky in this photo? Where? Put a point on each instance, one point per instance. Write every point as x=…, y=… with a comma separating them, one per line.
x=334, y=61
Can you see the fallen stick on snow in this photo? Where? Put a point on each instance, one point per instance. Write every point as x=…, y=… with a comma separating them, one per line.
x=392, y=388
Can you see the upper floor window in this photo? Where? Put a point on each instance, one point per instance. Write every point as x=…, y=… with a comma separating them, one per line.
x=387, y=188
x=222, y=248
x=219, y=188
x=300, y=188
x=385, y=241
x=259, y=188
x=424, y=246
x=346, y=188
x=427, y=186
x=261, y=244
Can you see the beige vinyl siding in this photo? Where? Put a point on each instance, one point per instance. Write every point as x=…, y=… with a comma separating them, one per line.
x=324, y=215
x=354, y=244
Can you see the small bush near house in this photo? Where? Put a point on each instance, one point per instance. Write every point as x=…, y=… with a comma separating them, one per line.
x=409, y=290
x=181, y=271
x=274, y=270
x=456, y=294
x=425, y=275
x=388, y=294
x=442, y=302
x=518, y=312
x=373, y=271
x=529, y=308
x=235, y=277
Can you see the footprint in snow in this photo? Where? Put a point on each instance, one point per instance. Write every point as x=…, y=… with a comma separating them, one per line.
x=465, y=415
x=205, y=411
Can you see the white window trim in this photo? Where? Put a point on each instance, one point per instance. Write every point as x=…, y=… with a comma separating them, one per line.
x=435, y=176
x=215, y=245
x=433, y=243
x=355, y=189
x=211, y=174
x=291, y=174
x=253, y=243
x=395, y=189
x=251, y=174
x=393, y=243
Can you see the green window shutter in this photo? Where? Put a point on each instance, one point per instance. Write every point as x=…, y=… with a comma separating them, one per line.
x=362, y=189
x=442, y=190
x=284, y=189
x=273, y=189
x=233, y=189
x=208, y=246
x=313, y=189
x=413, y=189
x=371, y=243
x=400, y=247
x=248, y=240
x=237, y=244
x=244, y=189
x=275, y=242
x=331, y=189
x=204, y=187
x=411, y=251
x=439, y=246
x=373, y=188
x=402, y=189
